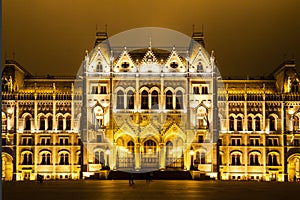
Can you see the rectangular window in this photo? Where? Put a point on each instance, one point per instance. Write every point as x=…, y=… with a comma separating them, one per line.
x=236, y=142
x=61, y=141
x=204, y=90
x=103, y=89
x=24, y=141
x=200, y=138
x=99, y=138
x=94, y=90
x=43, y=141
x=196, y=90
x=66, y=141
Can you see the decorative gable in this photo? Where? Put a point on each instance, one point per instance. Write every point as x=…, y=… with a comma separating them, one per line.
x=97, y=62
x=125, y=63
x=201, y=62
x=174, y=63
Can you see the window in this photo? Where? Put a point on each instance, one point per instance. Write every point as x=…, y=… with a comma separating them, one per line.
x=27, y=123
x=27, y=141
x=204, y=90
x=272, y=160
x=272, y=142
x=202, y=157
x=130, y=146
x=179, y=100
x=150, y=147
x=130, y=100
x=99, y=157
x=199, y=67
x=120, y=100
x=42, y=123
x=239, y=124
x=64, y=159
x=272, y=124
x=231, y=123
x=94, y=89
x=296, y=142
x=236, y=141
x=169, y=100
x=235, y=159
x=4, y=123
x=196, y=90
x=200, y=138
x=145, y=100
x=103, y=89
x=68, y=123
x=63, y=141
x=27, y=159
x=250, y=127
x=254, y=160
x=295, y=123
x=254, y=141
x=50, y=123
x=154, y=100
x=45, y=141
x=60, y=123
x=46, y=159
x=99, y=138
x=257, y=124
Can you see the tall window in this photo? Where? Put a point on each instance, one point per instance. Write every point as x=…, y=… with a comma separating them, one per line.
x=179, y=100
x=27, y=123
x=154, y=100
x=50, y=123
x=250, y=127
x=120, y=100
x=103, y=89
x=46, y=159
x=27, y=159
x=150, y=147
x=196, y=90
x=257, y=123
x=169, y=100
x=42, y=123
x=231, y=123
x=130, y=100
x=272, y=160
x=272, y=123
x=64, y=159
x=60, y=123
x=130, y=146
x=204, y=90
x=254, y=160
x=145, y=100
x=235, y=159
x=239, y=123
x=68, y=123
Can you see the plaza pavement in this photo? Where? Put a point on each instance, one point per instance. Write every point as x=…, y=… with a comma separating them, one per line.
x=155, y=190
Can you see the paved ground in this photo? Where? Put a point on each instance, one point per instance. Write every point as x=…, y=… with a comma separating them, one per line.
x=158, y=189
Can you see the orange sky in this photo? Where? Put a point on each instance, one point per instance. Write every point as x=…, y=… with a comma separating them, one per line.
x=248, y=36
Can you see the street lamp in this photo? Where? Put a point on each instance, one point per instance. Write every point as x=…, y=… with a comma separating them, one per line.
x=192, y=158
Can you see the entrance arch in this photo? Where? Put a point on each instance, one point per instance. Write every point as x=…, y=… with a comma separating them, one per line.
x=7, y=167
x=294, y=167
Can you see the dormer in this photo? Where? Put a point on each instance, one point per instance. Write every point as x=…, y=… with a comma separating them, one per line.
x=174, y=63
x=125, y=63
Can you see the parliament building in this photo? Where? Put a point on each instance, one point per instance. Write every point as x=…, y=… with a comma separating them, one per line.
x=150, y=109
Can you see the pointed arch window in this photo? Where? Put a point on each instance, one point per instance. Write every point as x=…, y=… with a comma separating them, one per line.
x=179, y=100
x=250, y=122
x=231, y=123
x=27, y=123
x=145, y=100
x=130, y=99
x=64, y=159
x=154, y=100
x=68, y=123
x=120, y=100
x=42, y=123
x=60, y=123
x=272, y=123
x=257, y=124
x=169, y=100
x=239, y=124
x=150, y=147
x=50, y=123
x=130, y=146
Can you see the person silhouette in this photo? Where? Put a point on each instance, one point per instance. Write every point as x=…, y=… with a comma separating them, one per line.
x=130, y=178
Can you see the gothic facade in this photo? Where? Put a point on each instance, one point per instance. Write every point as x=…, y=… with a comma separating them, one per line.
x=150, y=109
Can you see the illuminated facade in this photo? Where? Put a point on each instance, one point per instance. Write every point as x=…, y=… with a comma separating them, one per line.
x=150, y=109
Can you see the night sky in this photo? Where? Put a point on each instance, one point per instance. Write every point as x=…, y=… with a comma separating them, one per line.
x=249, y=37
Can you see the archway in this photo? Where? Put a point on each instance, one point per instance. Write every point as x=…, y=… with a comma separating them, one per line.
x=294, y=167
x=7, y=167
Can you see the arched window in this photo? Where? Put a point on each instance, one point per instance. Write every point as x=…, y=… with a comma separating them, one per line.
x=272, y=160
x=250, y=124
x=257, y=124
x=145, y=100
x=169, y=100
x=154, y=100
x=239, y=123
x=50, y=123
x=120, y=100
x=46, y=158
x=68, y=123
x=97, y=157
x=272, y=123
x=235, y=159
x=179, y=100
x=254, y=160
x=231, y=123
x=42, y=123
x=150, y=147
x=130, y=146
x=130, y=99
x=60, y=123
x=27, y=159
x=64, y=159
x=27, y=123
